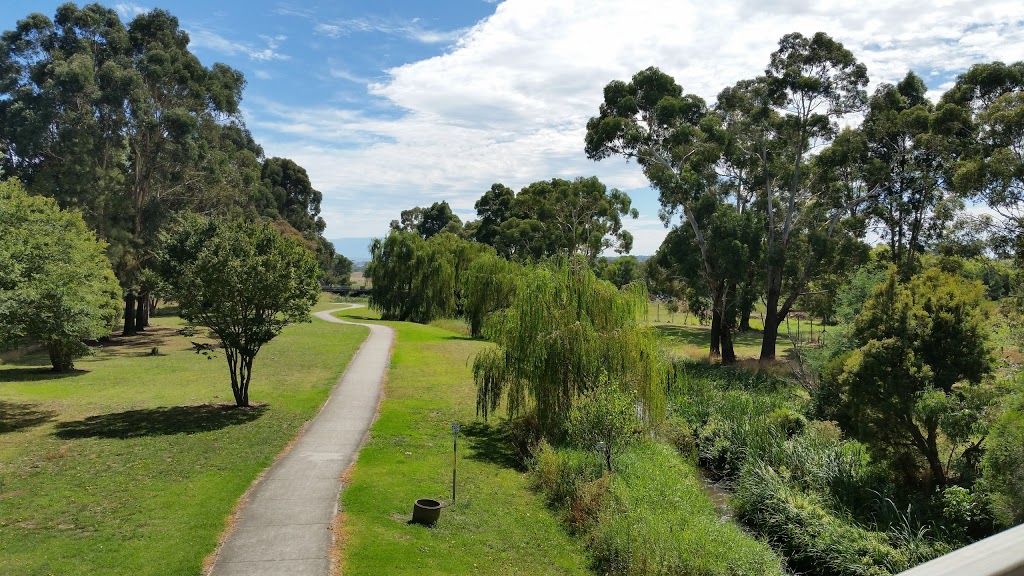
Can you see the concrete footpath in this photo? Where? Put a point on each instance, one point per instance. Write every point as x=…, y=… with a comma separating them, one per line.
x=284, y=527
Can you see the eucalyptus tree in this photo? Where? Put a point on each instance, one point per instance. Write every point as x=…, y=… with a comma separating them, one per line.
x=555, y=217
x=286, y=193
x=493, y=209
x=984, y=114
x=116, y=120
x=566, y=334
x=681, y=146
x=904, y=159
x=733, y=245
x=809, y=83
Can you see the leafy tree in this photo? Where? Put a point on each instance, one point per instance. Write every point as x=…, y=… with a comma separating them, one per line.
x=904, y=161
x=56, y=285
x=438, y=218
x=487, y=286
x=984, y=114
x=567, y=334
x=493, y=209
x=429, y=221
x=287, y=194
x=619, y=271
x=419, y=280
x=122, y=122
x=607, y=416
x=913, y=382
x=243, y=281
x=554, y=217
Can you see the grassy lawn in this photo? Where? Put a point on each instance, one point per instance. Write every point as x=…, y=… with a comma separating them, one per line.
x=131, y=464
x=497, y=524
x=686, y=336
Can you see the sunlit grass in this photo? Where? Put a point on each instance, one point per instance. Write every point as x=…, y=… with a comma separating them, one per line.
x=497, y=525
x=131, y=464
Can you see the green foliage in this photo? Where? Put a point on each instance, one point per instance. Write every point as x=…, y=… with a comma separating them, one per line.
x=420, y=280
x=1003, y=462
x=245, y=282
x=817, y=540
x=606, y=416
x=922, y=351
x=565, y=334
x=286, y=193
x=556, y=217
x=650, y=518
x=488, y=286
x=56, y=285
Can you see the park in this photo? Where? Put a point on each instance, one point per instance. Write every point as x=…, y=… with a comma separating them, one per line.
x=818, y=370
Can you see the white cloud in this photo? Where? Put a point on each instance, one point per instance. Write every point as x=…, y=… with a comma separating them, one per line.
x=129, y=10
x=509, y=101
x=205, y=38
x=410, y=29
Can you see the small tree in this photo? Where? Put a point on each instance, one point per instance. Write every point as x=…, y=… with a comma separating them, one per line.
x=245, y=282
x=607, y=416
x=56, y=284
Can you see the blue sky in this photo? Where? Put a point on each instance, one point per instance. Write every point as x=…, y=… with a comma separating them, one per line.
x=392, y=104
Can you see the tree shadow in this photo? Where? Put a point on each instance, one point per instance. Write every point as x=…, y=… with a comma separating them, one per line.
x=36, y=373
x=159, y=422
x=493, y=444
x=16, y=416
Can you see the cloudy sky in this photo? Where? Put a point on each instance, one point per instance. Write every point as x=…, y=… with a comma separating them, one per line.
x=393, y=104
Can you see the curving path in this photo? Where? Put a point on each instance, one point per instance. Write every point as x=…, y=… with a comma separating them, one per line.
x=284, y=526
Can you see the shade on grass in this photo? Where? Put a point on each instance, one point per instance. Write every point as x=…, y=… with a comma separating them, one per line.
x=132, y=464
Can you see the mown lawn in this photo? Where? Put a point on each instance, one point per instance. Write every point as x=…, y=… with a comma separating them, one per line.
x=131, y=464
x=497, y=525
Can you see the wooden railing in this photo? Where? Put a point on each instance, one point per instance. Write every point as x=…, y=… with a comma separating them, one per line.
x=999, y=555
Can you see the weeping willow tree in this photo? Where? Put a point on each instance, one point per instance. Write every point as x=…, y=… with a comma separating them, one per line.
x=488, y=286
x=413, y=279
x=565, y=334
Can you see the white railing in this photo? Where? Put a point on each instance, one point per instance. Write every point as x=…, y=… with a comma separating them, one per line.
x=999, y=555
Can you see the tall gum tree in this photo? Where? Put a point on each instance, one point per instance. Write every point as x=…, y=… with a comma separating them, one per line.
x=810, y=83
x=116, y=121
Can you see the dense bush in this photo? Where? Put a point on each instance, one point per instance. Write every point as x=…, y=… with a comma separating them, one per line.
x=1003, y=464
x=817, y=540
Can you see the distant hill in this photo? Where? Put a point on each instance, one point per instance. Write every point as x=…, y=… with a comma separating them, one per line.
x=355, y=249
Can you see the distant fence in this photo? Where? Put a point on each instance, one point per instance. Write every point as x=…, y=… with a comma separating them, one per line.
x=347, y=290
x=999, y=555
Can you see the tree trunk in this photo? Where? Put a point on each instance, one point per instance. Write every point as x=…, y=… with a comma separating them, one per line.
x=934, y=460
x=772, y=318
x=129, y=315
x=241, y=372
x=745, y=318
x=728, y=353
x=141, y=312
x=716, y=335
x=60, y=357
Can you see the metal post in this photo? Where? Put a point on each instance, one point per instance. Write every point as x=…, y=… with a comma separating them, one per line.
x=455, y=453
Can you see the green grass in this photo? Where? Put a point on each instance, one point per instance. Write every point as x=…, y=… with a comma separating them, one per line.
x=497, y=524
x=651, y=516
x=132, y=464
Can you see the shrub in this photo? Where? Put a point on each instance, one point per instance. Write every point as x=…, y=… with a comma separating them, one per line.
x=1003, y=466
x=814, y=538
x=604, y=415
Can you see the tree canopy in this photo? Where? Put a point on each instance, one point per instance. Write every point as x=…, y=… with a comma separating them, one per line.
x=56, y=285
x=243, y=281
